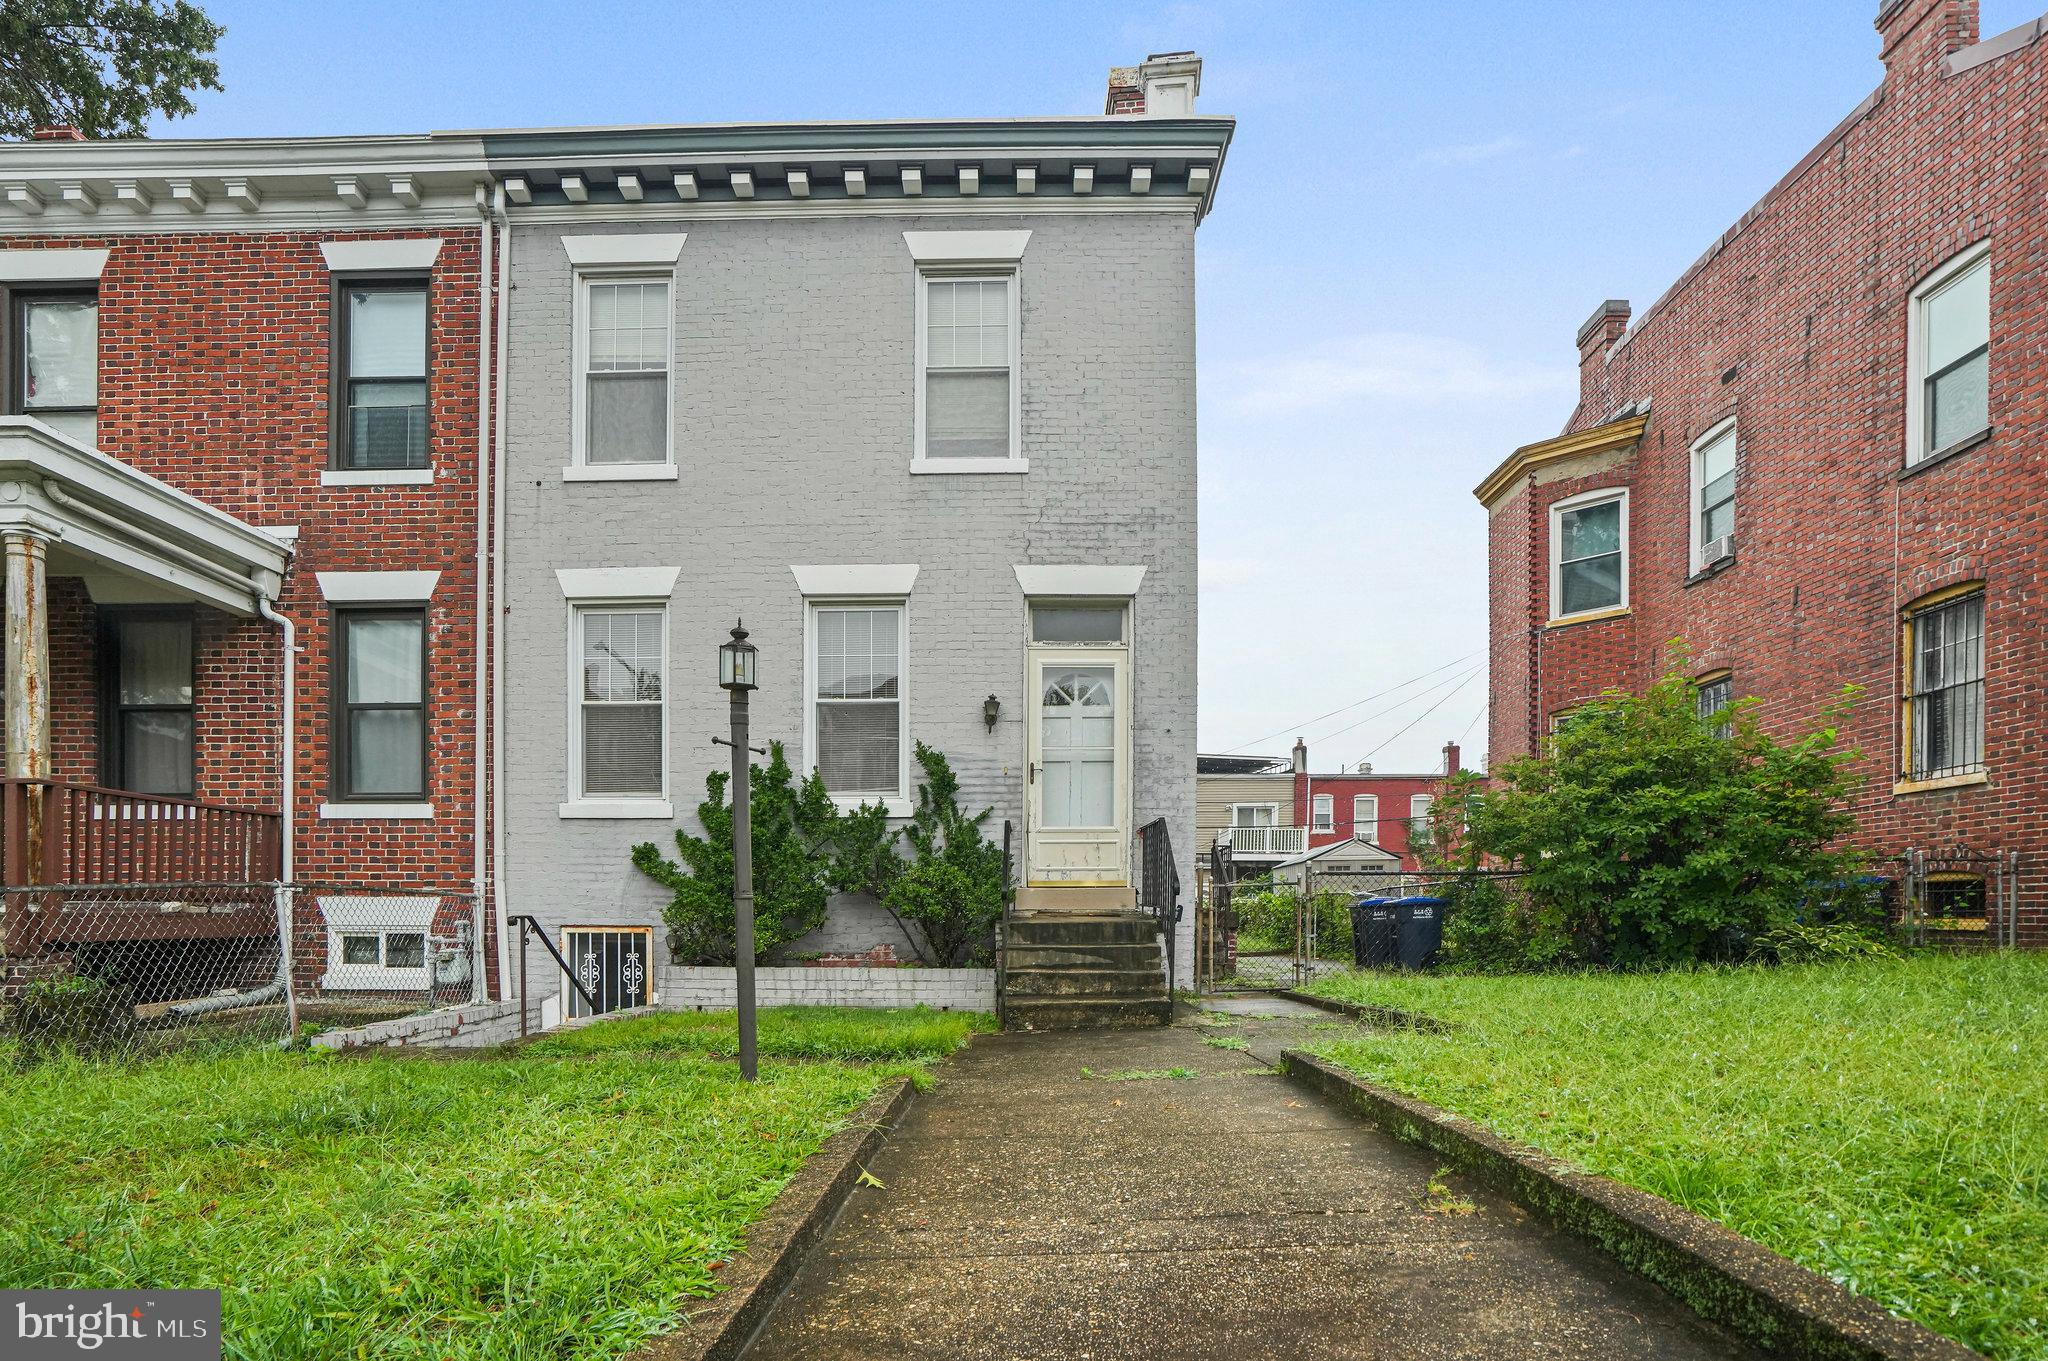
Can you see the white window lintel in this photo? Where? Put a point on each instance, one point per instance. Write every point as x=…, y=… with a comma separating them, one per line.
x=51, y=266
x=1056, y=580
x=855, y=580
x=967, y=248
x=597, y=584
x=411, y=252
x=377, y=588
x=645, y=250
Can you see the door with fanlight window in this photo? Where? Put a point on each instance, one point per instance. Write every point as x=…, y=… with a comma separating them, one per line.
x=1079, y=736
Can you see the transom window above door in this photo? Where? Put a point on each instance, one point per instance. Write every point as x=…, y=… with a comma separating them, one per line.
x=1078, y=625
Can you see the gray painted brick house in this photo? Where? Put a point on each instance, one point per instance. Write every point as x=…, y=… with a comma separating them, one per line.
x=917, y=401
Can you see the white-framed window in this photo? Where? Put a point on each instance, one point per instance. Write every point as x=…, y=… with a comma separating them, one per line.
x=1418, y=818
x=1323, y=813
x=1589, y=553
x=1948, y=360
x=969, y=407
x=623, y=406
x=1365, y=816
x=618, y=714
x=376, y=944
x=856, y=736
x=1713, y=495
x=1944, y=699
x=1254, y=814
x=1712, y=694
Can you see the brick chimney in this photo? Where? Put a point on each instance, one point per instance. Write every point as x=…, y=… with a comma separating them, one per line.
x=57, y=132
x=1914, y=35
x=1608, y=324
x=1165, y=86
x=1451, y=755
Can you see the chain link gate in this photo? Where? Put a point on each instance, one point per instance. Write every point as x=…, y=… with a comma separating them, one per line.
x=1266, y=935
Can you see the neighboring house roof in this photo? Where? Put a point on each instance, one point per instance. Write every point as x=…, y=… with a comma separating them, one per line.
x=1240, y=765
x=1617, y=434
x=1353, y=848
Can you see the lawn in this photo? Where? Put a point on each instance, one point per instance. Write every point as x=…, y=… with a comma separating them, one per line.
x=1883, y=1122
x=558, y=1201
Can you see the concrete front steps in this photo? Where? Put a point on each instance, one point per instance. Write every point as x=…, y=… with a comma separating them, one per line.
x=1076, y=970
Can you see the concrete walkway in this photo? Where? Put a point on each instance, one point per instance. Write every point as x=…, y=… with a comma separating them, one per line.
x=1028, y=1209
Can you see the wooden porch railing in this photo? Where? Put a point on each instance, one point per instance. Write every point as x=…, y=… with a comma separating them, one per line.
x=53, y=832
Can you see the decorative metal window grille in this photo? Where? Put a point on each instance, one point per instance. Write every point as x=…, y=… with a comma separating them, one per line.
x=1945, y=706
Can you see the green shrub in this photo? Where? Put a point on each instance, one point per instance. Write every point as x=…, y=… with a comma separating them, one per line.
x=952, y=887
x=1819, y=943
x=1482, y=931
x=1648, y=838
x=76, y=1015
x=794, y=825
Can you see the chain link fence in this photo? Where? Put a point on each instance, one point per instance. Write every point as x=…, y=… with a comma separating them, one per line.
x=126, y=971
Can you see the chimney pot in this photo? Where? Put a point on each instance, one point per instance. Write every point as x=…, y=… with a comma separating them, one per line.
x=57, y=132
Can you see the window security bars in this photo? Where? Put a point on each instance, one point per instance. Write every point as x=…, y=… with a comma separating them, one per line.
x=1945, y=706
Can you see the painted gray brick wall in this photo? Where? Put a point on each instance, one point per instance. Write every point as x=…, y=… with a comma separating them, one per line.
x=793, y=408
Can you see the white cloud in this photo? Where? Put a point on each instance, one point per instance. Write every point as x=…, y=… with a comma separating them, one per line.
x=1393, y=366
x=1471, y=153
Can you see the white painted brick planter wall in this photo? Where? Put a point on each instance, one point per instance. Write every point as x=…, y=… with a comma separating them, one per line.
x=695, y=987
x=465, y=1027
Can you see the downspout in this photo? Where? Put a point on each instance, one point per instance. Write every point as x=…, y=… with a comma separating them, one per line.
x=281, y=984
x=497, y=573
x=481, y=772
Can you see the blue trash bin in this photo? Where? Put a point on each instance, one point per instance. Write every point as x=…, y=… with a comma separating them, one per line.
x=1372, y=932
x=1418, y=931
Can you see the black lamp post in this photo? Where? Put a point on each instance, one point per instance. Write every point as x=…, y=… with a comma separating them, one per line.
x=736, y=676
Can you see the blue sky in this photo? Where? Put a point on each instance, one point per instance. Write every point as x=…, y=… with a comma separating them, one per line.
x=1422, y=204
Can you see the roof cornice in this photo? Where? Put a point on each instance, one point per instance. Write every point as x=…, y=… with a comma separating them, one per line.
x=1599, y=439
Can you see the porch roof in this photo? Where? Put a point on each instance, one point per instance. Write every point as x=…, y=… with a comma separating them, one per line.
x=1353, y=848
x=134, y=539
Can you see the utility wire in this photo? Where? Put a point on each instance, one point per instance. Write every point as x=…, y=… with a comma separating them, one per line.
x=1426, y=712
x=1473, y=724
x=1298, y=727
x=1400, y=704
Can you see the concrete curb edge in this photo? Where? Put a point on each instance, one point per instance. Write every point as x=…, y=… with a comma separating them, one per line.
x=719, y=1329
x=1770, y=1301
x=1385, y=1017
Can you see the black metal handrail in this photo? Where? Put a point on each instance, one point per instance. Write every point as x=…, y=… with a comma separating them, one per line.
x=1159, y=885
x=1003, y=925
x=525, y=921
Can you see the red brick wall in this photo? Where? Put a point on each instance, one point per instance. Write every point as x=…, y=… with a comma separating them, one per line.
x=1394, y=792
x=214, y=377
x=1796, y=324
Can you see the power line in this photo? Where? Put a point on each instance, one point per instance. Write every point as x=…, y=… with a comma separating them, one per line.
x=1473, y=724
x=1426, y=712
x=1401, y=704
x=1297, y=727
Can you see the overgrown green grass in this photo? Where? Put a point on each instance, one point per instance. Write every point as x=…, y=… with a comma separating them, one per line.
x=559, y=1201
x=1884, y=1122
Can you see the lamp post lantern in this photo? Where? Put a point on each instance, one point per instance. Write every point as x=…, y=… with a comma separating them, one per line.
x=736, y=675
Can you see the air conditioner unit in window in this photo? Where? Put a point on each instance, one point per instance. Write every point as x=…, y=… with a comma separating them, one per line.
x=1717, y=550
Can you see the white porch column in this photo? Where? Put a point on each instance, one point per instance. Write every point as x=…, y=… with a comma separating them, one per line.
x=28, y=653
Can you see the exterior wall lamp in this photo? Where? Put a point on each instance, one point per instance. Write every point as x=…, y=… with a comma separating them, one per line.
x=991, y=707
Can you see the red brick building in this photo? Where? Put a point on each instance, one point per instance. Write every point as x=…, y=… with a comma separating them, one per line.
x=1817, y=460
x=1387, y=810
x=264, y=364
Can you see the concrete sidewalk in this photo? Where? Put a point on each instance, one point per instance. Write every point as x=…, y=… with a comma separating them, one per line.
x=1028, y=1209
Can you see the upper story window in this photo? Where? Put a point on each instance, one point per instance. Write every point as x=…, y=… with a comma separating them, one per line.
x=1712, y=694
x=380, y=366
x=967, y=398
x=55, y=339
x=619, y=734
x=1365, y=816
x=1419, y=807
x=1944, y=700
x=1253, y=814
x=1589, y=554
x=380, y=720
x=1949, y=359
x=1323, y=813
x=859, y=653
x=1713, y=496
x=622, y=371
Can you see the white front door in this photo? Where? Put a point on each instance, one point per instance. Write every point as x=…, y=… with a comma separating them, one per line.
x=1079, y=778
